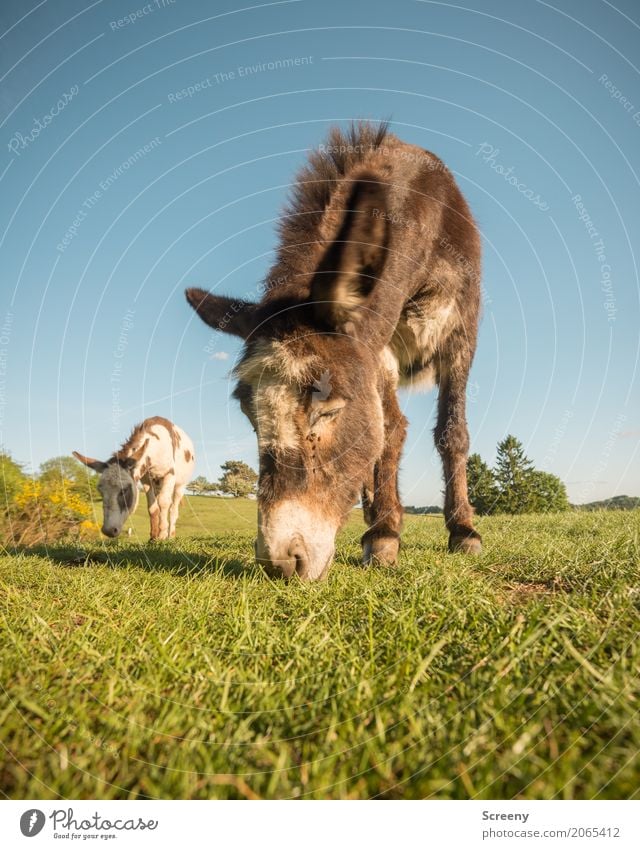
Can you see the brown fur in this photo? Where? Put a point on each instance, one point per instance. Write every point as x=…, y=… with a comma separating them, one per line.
x=378, y=253
x=140, y=433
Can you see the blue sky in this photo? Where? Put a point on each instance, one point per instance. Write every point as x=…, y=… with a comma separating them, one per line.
x=118, y=189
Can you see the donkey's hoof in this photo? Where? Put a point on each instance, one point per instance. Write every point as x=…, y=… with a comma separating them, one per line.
x=466, y=541
x=382, y=550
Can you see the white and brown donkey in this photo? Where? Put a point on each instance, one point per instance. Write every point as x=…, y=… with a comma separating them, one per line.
x=376, y=283
x=160, y=456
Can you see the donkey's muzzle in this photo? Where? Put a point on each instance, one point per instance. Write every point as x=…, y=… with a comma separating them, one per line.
x=293, y=541
x=292, y=560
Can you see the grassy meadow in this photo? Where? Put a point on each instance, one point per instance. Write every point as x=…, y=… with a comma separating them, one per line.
x=177, y=670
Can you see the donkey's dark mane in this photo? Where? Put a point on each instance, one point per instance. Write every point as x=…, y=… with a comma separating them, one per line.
x=313, y=189
x=316, y=181
x=139, y=432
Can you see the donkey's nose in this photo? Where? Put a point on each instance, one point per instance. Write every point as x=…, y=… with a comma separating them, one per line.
x=109, y=532
x=286, y=560
x=299, y=557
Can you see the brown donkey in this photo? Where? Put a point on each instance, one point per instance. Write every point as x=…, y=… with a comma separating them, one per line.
x=376, y=283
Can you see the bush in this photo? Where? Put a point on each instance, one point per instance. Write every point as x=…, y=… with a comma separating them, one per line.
x=44, y=511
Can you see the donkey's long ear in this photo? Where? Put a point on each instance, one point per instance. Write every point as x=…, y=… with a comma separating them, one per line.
x=96, y=465
x=354, y=261
x=229, y=315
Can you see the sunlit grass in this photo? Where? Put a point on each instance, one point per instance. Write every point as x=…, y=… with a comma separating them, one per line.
x=178, y=670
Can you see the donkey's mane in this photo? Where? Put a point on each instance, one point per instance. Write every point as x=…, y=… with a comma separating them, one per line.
x=316, y=183
x=141, y=432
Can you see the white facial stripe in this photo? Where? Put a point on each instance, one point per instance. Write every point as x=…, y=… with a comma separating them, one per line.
x=275, y=359
x=275, y=406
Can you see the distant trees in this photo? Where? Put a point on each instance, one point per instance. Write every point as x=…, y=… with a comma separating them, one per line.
x=548, y=493
x=200, y=485
x=11, y=479
x=513, y=486
x=483, y=491
x=618, y=502
x=238, y=479
x=69, y=472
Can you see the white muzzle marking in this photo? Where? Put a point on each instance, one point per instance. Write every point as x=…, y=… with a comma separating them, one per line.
x=296, y=540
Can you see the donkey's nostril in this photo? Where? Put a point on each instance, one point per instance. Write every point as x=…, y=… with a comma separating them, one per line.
x=298, y=553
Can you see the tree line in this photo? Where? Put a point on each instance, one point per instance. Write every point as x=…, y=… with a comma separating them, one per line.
x=513, y=485
x=238, y=479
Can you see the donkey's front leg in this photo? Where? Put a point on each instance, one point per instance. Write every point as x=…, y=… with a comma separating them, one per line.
x=382, y=508
x=452, y=442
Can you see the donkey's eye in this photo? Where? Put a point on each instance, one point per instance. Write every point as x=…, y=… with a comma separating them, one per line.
x=325, y=415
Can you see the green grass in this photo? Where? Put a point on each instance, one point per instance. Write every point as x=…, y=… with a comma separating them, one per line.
x=179, y=671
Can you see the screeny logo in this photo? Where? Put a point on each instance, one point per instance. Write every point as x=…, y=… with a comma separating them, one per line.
x=32, y=822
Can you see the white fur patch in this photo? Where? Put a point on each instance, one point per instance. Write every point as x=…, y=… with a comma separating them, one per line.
x=275, y=405
x=390, y=364
x=289, y=521
x=275, y=359
x=415, y=343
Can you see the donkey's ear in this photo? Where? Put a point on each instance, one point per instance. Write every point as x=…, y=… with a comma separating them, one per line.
x=354, y=261
x=229, y=315
x=96, y=465
x=134, y=458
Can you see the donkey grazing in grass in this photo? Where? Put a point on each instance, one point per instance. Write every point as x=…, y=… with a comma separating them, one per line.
x=376, y=283
x=160, y=455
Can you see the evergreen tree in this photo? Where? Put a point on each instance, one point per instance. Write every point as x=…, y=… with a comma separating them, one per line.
x=513, y=475
x=483, y=493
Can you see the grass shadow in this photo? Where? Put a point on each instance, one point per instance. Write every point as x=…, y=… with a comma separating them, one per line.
x=156, y=557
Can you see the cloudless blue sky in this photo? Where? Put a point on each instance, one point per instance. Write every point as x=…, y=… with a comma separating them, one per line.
x=95, y=333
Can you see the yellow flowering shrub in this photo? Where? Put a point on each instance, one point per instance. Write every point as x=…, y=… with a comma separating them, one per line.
x=48, y=511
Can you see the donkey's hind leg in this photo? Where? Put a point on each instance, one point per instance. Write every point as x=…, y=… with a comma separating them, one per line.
x=178, y=492
x=382, y=508
x=154, y=510
x=452, y=442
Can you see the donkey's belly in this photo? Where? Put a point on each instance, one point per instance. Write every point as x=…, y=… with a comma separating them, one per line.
x=416, y=340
